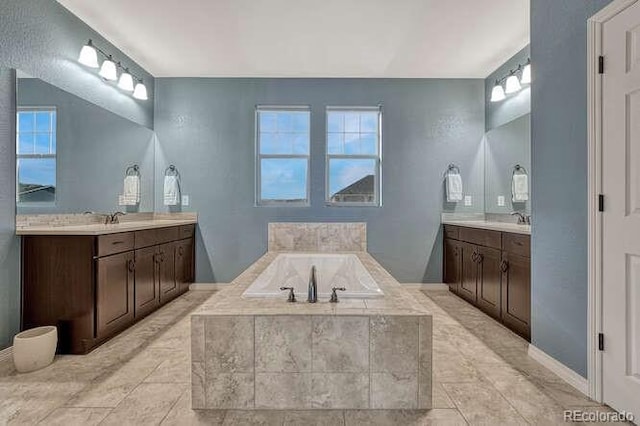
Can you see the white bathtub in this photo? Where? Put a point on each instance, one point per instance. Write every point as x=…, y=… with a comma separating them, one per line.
x=332, y=270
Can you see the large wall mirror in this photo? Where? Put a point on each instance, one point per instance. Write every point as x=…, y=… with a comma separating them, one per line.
x=508, y=167
x=74, y=156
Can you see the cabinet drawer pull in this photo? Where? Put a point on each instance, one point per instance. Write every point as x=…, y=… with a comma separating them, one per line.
x=115, y=243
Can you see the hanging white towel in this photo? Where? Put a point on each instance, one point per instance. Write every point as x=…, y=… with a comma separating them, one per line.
x=171, y=190
x=453, y=183
x=131, y=190
x=520, y=187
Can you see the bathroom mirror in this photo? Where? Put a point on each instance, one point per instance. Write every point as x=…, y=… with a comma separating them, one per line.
x=506, y=148
x=73, y=156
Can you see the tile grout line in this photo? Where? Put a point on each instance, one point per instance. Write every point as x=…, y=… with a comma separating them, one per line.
x=172, y=406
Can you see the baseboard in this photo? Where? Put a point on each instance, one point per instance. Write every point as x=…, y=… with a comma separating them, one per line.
x=561, y=370
x=426, y=286
x=208, y=286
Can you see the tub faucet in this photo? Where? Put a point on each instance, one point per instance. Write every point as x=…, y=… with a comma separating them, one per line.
x=313, y=286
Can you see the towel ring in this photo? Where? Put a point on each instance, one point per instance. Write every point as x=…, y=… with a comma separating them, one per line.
x=452, y=168
x=171, y=171
x=132, y=170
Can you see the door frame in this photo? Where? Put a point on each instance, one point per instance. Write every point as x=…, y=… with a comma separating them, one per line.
x=595, y=143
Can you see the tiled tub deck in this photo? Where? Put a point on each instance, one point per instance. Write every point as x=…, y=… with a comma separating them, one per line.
x=269, y=354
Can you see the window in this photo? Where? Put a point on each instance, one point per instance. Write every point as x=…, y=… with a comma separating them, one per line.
x=353, y=156
x=36, y=155
x=283, y=155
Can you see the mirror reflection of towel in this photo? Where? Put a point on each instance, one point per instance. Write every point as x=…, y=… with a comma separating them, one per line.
x=454, y=187
x=171, y=190
x=131, y=190
x=520, y=187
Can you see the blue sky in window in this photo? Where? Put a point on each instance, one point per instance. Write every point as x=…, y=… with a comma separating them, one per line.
x=40, y=171
x=344, y=172
x=284, y=179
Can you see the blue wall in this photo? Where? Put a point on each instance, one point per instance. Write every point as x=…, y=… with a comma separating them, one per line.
x=43, y=39
x=206, y=128
x=516, y=105
x=559, y=178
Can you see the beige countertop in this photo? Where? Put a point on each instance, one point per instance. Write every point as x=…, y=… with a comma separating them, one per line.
x=492, y=226
x=102, y=229
x=396, y=300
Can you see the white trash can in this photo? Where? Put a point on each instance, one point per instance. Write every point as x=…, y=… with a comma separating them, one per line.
x=35, y=348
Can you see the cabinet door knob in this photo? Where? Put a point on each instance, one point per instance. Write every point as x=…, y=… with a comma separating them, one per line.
x=504, y=266
x=132, y=266
x=474, y=257
x=180, y=250
x=479, y=258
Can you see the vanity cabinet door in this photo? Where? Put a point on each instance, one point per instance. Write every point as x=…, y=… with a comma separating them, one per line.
x=452, y=264
x=147, y=291
x=489, y=275
x=516, y=293
x=184, y=264
x=115, y=293
x=167, y=272
x=469, y=283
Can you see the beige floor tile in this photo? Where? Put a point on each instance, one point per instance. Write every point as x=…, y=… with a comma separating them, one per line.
x=148, y=404
x=403, y=417
x=481, y=403
x=441, y=398
x=175, y=369
x=254, y=418
x=76, y=416
x=182, y=415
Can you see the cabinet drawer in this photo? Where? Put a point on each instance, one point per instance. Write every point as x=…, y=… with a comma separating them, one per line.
x=115, y=243
x=186, y=231
x=166, y=235
x=516, y=244
x=451, y=232
x=481, y=237
x=146, y=238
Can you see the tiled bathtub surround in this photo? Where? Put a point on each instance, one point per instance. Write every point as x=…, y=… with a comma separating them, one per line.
x=269, y=354
x=318, y=237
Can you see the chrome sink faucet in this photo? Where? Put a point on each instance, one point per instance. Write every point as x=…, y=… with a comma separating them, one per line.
x=113, y=218
x=523, y=219
x=313, y=287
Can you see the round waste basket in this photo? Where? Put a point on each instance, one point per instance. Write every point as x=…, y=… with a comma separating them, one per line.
x=35, y=348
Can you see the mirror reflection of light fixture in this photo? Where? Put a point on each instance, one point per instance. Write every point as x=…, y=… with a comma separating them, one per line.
x=526, y=74
x=88, y=55
x=126, y=81
x=497, y=94
x=140, y=92
x=108, y=70
x=512, y=85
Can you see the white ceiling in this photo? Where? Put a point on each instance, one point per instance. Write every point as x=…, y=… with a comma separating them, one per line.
x=312, y=38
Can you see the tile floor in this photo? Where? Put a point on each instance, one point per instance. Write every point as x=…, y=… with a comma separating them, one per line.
x=482, y=375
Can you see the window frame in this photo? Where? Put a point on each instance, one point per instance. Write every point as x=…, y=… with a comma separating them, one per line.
x=377, y=202
x=19, y=156
x=259, y=202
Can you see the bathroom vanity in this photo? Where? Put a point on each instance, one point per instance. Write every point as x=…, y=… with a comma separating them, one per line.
x=489, y=265
x=93, y=281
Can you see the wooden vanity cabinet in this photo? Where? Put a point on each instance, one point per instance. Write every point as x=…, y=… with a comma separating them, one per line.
x=491, y=270
x=93, y=287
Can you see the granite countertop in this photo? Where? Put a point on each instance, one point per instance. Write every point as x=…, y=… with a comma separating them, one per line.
x=490, y=225
x=396, y=300
x=102, y=229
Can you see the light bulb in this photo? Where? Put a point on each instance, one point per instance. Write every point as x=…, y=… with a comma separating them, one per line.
x=126, y=81
x=512, y=85
x=108, y=70
x=88, y=55
x=140, y=92
x=497, y=94
x=526, y=74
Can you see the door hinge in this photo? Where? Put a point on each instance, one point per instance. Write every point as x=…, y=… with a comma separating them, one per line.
x=600, y=64
x=600, y=342
x=601, y=202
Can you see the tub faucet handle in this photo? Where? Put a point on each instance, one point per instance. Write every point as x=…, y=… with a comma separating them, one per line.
x=334, y=295
x=292, y=296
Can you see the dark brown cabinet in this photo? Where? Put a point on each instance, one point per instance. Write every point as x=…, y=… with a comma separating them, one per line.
x=492, y=271
x=92, y=287
x=114, y=295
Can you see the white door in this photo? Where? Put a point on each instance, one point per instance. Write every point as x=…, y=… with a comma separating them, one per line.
x=621, y=217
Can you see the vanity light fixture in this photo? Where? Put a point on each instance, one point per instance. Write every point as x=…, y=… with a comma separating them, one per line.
x=510, y=83
x=526, y=73
x=497, y=94
x=108, y=70
x=127, y=82
x=88, y=55
x=140, y=92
